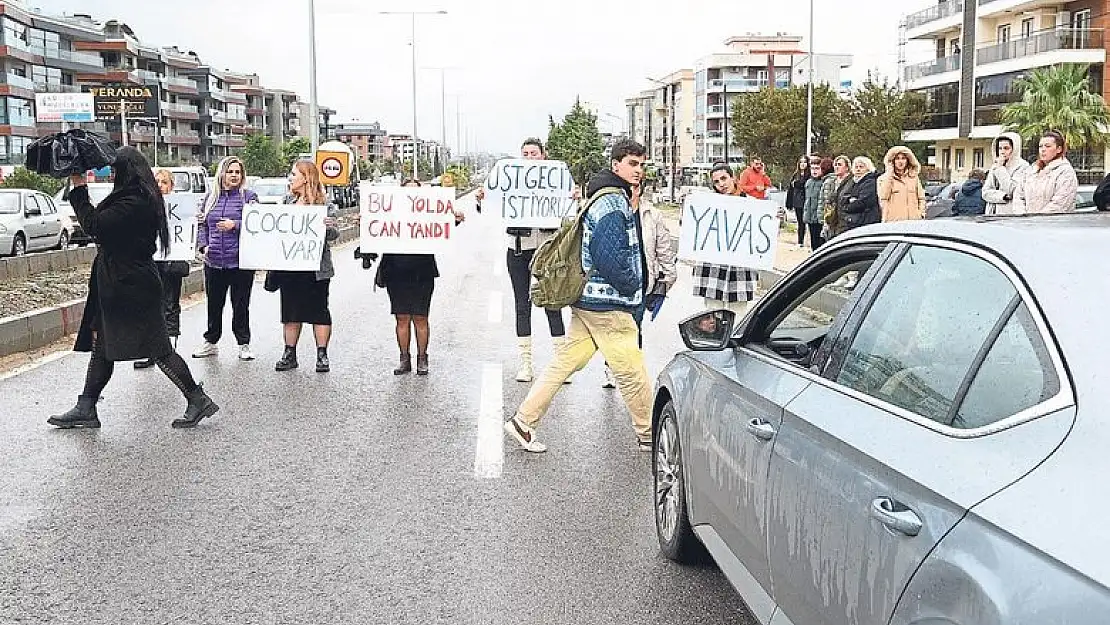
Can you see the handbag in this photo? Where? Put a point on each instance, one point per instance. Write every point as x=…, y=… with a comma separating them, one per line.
x=379, y=280
x=273, y=281
x=177, y=269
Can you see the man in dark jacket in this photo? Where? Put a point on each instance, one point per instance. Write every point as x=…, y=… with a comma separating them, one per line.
x=969, y=201
x=604, y=317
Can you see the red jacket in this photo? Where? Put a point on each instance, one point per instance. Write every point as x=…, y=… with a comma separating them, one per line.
x=750, y=179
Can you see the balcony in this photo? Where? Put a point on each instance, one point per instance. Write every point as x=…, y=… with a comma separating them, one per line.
x=19, y=81
x=715, y=110
x=230, y=141
x=738, y=85
x=148, y=75
x=936, y=12
x=1039, y=43
x=49, y=87
x=218, y=117
x=84, y=58
x=180, y=108
x=236, y=97
x=932, y=68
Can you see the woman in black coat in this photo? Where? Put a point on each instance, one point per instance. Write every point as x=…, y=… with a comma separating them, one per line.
x=858, y=203
x=123, y=317
x=796, y=196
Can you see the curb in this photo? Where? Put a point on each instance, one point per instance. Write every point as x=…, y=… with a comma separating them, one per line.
x=41, y=262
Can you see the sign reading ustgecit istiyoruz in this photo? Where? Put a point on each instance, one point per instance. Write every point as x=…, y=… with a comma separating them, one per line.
x=729, y=230
x=530, y=194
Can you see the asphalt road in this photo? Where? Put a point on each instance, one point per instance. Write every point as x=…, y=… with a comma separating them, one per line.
x=349, y=497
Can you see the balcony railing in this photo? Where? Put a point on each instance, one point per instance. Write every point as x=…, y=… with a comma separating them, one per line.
x=178, y=81
x=181, y=108
x=747, y=84
x=235, y=96
x=935, y=12
x=219, y=117
x=1062, y=39
x=931, y=68
x=50, y=87
x=715, y=109
x=67, y=55
x=146, y=74
x=19, y=81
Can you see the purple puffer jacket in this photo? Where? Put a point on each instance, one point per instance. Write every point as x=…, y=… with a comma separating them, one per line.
x=223, y=247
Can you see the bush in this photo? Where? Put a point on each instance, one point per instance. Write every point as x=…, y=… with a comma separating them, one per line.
x=23, y=178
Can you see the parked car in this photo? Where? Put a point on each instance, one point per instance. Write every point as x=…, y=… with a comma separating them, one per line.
x=29, y=222
x=190, y=180
x=271, y=190
x=942, y=202
x=1085, y=199
x=97, y=192
x=912, y=450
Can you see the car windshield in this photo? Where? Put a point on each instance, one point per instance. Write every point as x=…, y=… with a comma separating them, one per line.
x=269, y=189
x=182, y=182
x=1085, y=198
x=9, y=203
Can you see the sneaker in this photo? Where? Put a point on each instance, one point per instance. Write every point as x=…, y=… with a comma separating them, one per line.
x=245, y=352
x=643, y=445
x=206, y=350
x=524, y=435
x=609, y=381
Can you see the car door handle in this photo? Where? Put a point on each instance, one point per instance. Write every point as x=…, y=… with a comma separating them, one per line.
x=761, y=429
x=897, y=517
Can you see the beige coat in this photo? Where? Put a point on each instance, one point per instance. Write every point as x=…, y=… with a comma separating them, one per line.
x=902, y=197
x=658, y=247
x=1048, y=190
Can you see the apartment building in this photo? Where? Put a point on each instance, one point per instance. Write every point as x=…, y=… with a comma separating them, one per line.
x=39, y=54
x=367, y=140
x=684, y=119
x=978, y=51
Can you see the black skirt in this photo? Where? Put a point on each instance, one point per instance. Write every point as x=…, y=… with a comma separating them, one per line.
x=304, y=299
x=410, y=297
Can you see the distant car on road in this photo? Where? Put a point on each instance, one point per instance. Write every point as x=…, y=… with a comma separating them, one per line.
x=942, y=202
x=29, y=222
x=97, y=192
x=271, y=190
x=923, y=448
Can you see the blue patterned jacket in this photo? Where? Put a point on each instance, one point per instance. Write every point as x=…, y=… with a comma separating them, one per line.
x=612, y=252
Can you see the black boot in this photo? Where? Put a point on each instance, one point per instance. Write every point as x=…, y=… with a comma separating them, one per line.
x=83, y=415
x=323, y=364
x=422, y=365
x=406, y=364
x=200, y=407
x=288, y=360
x=144, y=364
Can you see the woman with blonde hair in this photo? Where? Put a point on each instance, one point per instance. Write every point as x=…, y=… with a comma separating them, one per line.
x=218, y=242
x=859, y=204
x=172, y=273
x=304, y=294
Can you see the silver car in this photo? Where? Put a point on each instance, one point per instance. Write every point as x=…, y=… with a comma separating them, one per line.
x=912, y=450
x=29, y=222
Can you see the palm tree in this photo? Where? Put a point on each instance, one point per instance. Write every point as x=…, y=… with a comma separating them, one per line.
x=1059, y=98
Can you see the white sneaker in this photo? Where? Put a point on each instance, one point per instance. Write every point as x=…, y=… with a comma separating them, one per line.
x=245, y=352
x=525, y=374
x=609, y=381
x=524, y=435
x=206, y=350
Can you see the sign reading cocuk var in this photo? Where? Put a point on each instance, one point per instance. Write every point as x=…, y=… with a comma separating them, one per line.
x=530, y=194
x=407, y=220
x=284, y=237
x=139, y=102
x=729, y=230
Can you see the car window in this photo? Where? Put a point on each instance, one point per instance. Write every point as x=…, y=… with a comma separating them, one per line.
x=1017, y=374
x=182, y=182
x=925, y=329
x=9, y=203
x=47, y=205
x=199, y=184
x=30, y=203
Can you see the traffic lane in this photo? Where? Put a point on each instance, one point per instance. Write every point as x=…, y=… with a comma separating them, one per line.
x=346, y=496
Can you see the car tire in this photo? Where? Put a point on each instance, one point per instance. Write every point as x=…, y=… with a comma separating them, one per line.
x=676, y=537
x=19, y=245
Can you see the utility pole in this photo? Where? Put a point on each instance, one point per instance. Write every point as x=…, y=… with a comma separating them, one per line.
x=724, y=84
x=809, y=90
x=313, y=104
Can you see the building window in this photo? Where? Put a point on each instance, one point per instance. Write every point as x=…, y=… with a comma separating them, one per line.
x=978, y=158
x=1081, y=19
x=946, y=159
x=1027, y=28
x=954, y=46
x=1004, y=33
x=960, y=158
x=15, y=34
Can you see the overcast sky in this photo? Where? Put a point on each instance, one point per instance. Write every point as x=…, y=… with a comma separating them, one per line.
x=513, y=61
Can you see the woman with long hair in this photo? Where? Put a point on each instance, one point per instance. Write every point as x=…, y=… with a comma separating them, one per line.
x=124, y=318
x=796, y=196
x=218, y=242
x=304, y=294
x=1052, y=185
x=172, y=273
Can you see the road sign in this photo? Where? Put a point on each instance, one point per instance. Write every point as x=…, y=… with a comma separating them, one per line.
x=335, y=167
x=63, y=107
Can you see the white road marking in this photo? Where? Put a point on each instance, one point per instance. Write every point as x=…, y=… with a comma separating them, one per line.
x=489, y=452
x=498, y=267
x=495, y=307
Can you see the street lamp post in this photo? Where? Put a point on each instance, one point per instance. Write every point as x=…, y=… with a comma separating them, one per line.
x=313, y=105
x=415, y=141
x=809, y=90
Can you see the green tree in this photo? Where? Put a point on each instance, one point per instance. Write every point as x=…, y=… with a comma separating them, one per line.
x=461, y=173
x=365, y=169
x=771, y=124
x=261, y=157
x=873, y=119
x=577, y=142
x=164, y=159
x=293, y=148
x=23, y=178
x=387, y=167
x=1059, y=98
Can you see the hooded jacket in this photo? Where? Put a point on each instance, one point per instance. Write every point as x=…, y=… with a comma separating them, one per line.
x=902, y=197
x=1002, y=181
x=969, y=201
x=222, y=248
x=612, y=250
x=1048, y=189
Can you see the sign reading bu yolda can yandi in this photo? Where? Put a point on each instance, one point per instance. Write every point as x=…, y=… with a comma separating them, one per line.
x=335, y=167
x=407, y=220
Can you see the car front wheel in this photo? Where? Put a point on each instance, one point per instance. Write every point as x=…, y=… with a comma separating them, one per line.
x=672, y=522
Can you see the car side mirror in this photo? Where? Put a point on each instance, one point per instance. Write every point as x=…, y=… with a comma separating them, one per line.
x=709, y=331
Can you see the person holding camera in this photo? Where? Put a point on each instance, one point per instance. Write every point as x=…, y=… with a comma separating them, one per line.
x=522, y=246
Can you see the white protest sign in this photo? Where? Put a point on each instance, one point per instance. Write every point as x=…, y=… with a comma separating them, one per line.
x=407, y=220
x=530, y=194
x=181, y=216
x=729, y=230
x=285, y=237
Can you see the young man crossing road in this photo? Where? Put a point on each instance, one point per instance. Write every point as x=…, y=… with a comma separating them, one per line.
x=603, y=318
